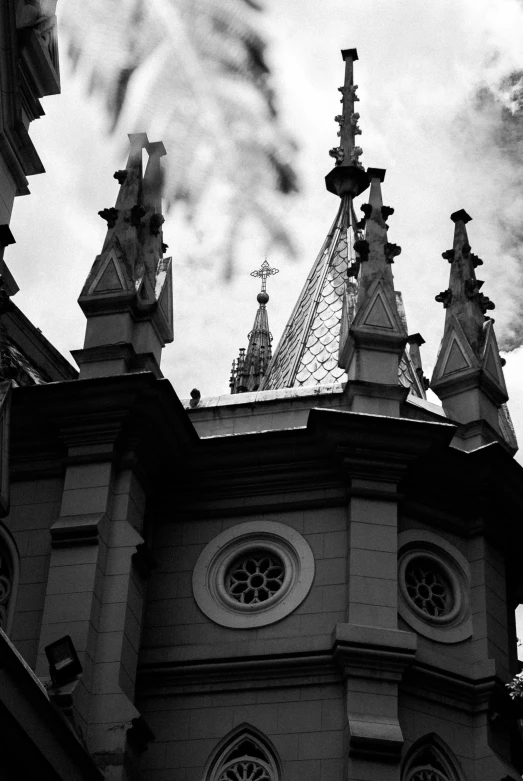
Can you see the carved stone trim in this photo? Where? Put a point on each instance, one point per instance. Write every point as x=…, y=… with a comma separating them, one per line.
x=77, y=530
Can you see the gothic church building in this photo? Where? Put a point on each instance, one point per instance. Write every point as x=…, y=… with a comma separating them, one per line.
x=270, y=585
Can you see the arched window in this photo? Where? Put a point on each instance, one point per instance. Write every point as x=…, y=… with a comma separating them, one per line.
x=9, y=567
x=430, y=760
x=244, y=755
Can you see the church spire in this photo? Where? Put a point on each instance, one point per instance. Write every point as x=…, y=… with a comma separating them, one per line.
x=249, y=370
x=468, y=376
x=374, y=335
x=309, y=348
x=348, y=177
x=307, y=353
x=127, y=297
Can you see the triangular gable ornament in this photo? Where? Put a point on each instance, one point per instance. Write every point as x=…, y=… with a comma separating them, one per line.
x=110, y=276
x=456, y=355
x=145, y=291
x=164, y=292
x=491, y=363
x=379, y=314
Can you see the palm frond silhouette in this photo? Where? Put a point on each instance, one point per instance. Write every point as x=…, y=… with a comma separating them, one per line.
x=193, y=72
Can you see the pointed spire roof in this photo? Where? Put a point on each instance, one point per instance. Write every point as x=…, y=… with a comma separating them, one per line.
x=127, y=297
x=307, y=353
x=250, y=367
x=376, y=306
x=374, y=330
x=469, y=365
x=468, y=342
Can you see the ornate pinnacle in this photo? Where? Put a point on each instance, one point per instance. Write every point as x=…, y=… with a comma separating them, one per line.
x=348, y=120
x=348, y=176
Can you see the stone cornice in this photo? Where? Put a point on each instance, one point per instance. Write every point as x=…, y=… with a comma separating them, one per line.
x=272, y=670
x=109, y=418
x=369, y=651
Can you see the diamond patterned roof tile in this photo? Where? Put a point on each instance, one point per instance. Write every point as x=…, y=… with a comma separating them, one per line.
x=308, y=349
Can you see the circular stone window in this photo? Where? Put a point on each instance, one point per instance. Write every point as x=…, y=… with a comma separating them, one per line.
x=256, y=577
x=433, y=587
x=253, y=574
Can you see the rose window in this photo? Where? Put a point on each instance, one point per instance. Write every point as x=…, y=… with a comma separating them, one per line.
x=248, y=770
x=255, y=578
x=428, y=589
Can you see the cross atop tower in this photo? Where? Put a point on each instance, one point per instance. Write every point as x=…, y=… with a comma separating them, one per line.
x=264, y=271
x=250, y=367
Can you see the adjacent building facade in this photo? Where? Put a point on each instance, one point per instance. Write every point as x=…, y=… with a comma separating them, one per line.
x=313, y=577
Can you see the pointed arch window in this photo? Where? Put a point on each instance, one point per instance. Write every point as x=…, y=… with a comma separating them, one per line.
x=246, y=755
x=9, y=567
x=430, y=760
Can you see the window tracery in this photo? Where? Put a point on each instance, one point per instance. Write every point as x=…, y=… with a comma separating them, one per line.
x=245, y=757
x=427, y=587
x=430, y=760
x=256, y=577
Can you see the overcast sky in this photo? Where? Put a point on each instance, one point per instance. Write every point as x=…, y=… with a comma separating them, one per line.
x=438, y=87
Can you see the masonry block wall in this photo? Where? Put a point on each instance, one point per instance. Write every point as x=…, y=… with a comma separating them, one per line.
x=35, y=505
x=303, y=714
x=343, y=685
x=76, y=538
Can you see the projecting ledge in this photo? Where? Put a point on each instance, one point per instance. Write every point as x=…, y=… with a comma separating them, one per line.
x=372, y=660
x=367, y=650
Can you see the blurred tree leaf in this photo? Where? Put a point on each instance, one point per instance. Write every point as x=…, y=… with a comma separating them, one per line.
x=193, y=74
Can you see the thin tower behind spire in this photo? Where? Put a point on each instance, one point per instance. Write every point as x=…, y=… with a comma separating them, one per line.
x=250, y=367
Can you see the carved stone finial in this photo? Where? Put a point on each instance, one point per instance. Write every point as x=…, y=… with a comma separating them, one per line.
x=348, y=177
x=137, y=214
x=475, y=260
x=445, y=297
x=362, y=248
x=338, y=154
x=110, y=216
x=485, y=303
x=355, y=156
x=155, y=223
x=392, y=251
